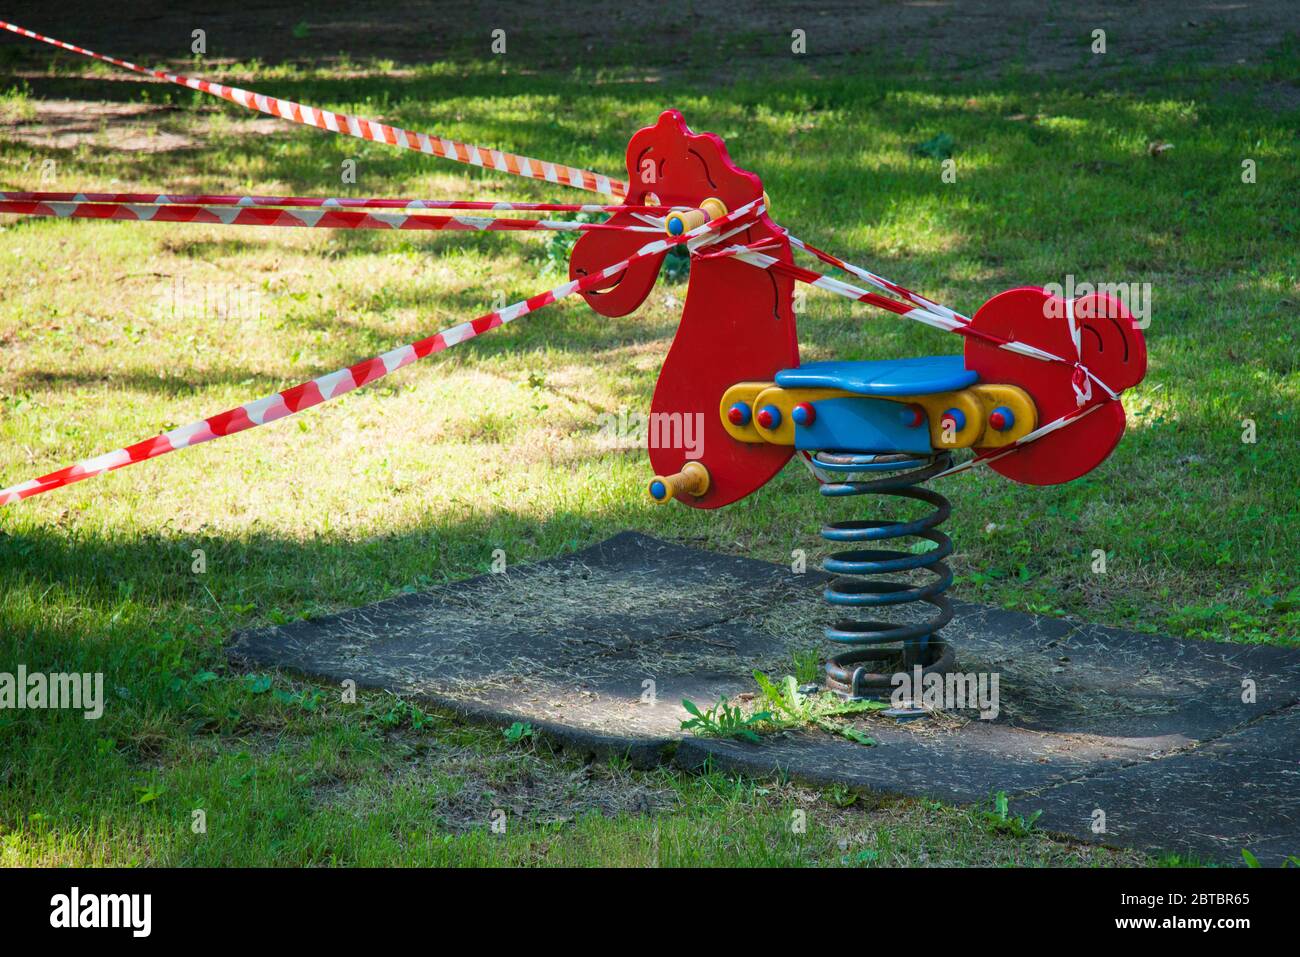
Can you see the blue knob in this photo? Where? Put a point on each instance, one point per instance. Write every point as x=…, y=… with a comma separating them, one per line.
x=804, y=414
x=1002, y=418
x=658, y=490
x=958, y=419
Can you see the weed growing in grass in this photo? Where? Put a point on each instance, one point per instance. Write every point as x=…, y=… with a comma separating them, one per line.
x=147, y=793
x=400, y=713
x=938, y=147
x=16, y=104
x=1000, y=821
x=841, y=796
x=307, y=699
x=257, y=684
x=518, y=732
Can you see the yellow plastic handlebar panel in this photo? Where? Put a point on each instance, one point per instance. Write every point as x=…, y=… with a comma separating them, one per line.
x=742, y=406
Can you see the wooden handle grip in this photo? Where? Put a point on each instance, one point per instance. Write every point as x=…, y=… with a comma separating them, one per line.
x=683, y=221
x=692, y=480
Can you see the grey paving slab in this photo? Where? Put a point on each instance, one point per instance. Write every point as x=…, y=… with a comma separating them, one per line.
x=568, y=644
x=598, y=648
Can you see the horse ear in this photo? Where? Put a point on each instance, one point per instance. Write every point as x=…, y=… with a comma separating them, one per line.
x=595, y=251
x=1111, y=341
x=666, y=164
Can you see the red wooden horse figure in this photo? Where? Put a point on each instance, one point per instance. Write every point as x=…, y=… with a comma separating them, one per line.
x=737, y=322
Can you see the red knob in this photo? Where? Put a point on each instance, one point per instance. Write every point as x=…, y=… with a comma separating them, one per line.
x=913, y=415
x=738, y=414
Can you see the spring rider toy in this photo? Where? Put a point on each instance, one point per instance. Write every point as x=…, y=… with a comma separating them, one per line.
x=1031, y=366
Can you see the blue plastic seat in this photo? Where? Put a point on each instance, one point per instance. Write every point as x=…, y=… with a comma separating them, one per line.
x=884, y=377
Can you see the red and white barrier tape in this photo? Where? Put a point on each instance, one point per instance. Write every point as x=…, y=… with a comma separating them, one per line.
x=754, y=256
x=308, y=218
x=880, y=282
x=360, y=127
x=335, y=384
x=342, y=202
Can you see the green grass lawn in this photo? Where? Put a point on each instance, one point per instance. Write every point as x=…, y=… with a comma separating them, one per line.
x=112, y=332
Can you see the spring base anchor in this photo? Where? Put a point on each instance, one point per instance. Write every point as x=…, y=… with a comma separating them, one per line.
x=882, y=649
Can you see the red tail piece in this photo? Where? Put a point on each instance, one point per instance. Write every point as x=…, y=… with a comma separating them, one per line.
x=1110, y=345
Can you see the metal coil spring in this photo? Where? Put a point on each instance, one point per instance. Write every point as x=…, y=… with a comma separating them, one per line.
x=860, y=672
